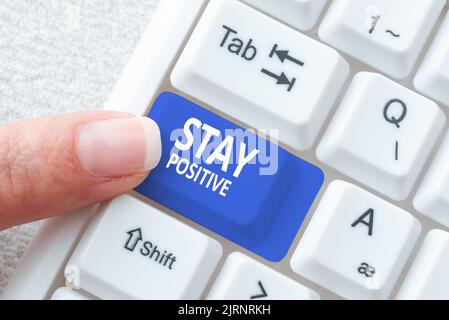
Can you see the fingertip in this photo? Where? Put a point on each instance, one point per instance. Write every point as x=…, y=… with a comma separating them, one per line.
x=118, y=147
x=153, y=143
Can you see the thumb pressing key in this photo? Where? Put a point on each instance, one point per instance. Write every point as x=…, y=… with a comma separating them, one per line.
x=56, y=164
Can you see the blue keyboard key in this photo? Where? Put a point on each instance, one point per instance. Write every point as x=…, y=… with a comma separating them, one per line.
x=229, y=180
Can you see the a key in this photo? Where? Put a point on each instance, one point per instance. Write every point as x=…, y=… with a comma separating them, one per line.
x=133, y=251
x=299, y=14
x=67, y=294
x=382, y=135
x=432, y=198
x=388, y=35
x=428, y=278
x=229, y=180
x=243, y=278
x=260, y=72
x=356, y=244
x=432, y=78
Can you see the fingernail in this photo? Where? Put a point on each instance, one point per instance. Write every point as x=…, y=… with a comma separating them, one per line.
x=119, y=147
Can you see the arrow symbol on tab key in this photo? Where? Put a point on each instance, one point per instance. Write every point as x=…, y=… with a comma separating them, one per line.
x=284, y=55
x=260, y=295
x=281, y=79
x=134, y=237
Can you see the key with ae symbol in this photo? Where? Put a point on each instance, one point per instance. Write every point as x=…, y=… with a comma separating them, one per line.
x=356, y=244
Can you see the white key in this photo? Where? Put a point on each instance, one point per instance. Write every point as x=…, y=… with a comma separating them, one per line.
x=382, y=135
x=388, y=35
x=432, y=78
x=261, y=72
x=67, y=294
x=134, y=251
x=428, y=278
x=243, y=278
x=299, y=14
x=432, y=198
x=356, y=244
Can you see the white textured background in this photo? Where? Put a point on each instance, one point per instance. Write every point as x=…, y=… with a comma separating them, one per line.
x=58, y=56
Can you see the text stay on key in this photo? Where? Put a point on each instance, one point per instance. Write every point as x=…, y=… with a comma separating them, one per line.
x=228, y=179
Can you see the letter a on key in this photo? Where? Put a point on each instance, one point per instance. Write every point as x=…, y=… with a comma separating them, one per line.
x=369, y=223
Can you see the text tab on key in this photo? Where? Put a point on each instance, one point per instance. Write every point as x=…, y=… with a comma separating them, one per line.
x=261, y=72
x=228, y=179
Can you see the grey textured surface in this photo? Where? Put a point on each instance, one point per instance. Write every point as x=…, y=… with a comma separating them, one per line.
x=58, y=56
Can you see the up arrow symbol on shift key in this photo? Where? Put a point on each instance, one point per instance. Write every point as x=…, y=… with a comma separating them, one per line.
x=134, y=237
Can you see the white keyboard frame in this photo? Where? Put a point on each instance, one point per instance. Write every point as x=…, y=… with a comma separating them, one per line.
x=147, y=74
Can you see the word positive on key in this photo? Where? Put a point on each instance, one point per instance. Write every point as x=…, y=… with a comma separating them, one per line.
x=216, y=174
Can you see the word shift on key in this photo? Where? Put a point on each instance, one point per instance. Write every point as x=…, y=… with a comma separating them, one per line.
x=134, y=251
x=228, y=179
x=149, y=249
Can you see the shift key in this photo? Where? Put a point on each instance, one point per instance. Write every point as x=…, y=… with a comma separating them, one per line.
x=134, y=251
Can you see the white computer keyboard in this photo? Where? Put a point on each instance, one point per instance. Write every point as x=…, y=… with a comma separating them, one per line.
x=353, y=204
